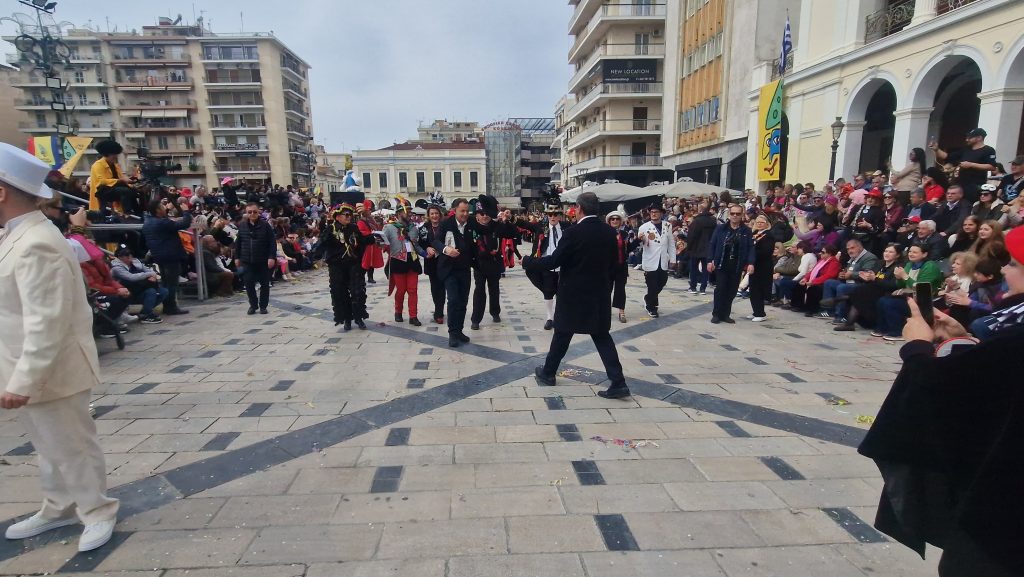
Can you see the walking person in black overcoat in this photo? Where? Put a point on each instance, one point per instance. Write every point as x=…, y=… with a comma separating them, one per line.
x=586, y=255
x=429, y=232
x=625, y=242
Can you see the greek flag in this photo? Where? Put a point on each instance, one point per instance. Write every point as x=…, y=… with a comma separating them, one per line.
x=787, y=47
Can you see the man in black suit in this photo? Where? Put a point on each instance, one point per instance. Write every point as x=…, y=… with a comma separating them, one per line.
x=455, y=250
x=586, y=255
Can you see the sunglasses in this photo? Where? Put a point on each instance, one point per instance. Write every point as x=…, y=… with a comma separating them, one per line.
x=615, y=218
x=735, y=214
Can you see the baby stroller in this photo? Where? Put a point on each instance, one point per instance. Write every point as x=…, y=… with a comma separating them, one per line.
x=100, y=317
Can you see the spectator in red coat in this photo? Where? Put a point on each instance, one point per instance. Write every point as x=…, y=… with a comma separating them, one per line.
x=807, y=294
x=113, y=296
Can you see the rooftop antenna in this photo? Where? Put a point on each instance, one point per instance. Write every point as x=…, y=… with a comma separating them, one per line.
x=241, y=21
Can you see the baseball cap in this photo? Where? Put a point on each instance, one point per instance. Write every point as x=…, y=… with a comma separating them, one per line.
x=914, y=219
x=977, y=132
x=1018, y=161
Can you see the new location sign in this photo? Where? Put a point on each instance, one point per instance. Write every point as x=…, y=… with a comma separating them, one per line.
x=622, y=71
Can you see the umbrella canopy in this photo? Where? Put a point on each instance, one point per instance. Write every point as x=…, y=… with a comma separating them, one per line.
x=610, y=192
x=687, y=189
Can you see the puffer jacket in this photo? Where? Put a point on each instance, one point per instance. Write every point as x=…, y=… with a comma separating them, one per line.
x=255, y=243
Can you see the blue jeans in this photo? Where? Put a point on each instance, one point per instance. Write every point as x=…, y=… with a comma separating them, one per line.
x=981, y=327
x=784, y=287
x=835, y=288
x=698, y=273
x=150, y=298
x=893, y=313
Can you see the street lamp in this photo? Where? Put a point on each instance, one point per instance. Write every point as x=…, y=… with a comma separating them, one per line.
x=837, y=130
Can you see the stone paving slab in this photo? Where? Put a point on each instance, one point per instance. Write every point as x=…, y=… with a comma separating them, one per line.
x=464, y=466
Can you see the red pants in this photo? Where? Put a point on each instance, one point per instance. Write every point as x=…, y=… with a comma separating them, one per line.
x=406, y=282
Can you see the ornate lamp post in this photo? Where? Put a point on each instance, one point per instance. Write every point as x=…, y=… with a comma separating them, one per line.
x=837, y=130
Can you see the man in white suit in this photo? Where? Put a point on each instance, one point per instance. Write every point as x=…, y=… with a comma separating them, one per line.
x=658, y=254
x=48, y=361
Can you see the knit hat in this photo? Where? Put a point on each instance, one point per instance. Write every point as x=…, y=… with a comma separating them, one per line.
x=830, y=199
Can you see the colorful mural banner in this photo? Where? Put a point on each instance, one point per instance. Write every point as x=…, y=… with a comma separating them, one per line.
x=74, y=149
x=43, y=147
x=769, y=111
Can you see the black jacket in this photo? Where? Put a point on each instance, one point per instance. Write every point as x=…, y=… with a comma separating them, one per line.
x=427, y=236
x=949, y=442
x=462, y=241
x=487, y=254
x=744, y=241
x=540, y=235
x=698, y=236
x=162, y=238
x=338, y=253
x=949, y=220
x=586, y=255
x=255, y=243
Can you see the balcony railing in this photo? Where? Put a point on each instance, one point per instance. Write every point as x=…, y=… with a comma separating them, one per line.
x=613, y=88
x=617, y=161
x=616, y=11
x=150, y=58
x=789, y=64
x=944, y=6
x=229, y=124
x=888, y=21
x=156, y=104
x=614, y=50
x=617, y=125
x=169, y=80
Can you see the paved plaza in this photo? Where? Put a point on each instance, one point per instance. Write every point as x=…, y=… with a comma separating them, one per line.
x=280, y=446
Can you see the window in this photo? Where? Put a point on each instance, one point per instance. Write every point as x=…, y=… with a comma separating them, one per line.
x=715, y=103
x=457, y=176
x=190, y=143
x=41, y=120
x=382, y=180
x=421, y=182
x=83, y=99
x=403, y=180
x=105, y=99
x=79, y=76
x=474, y=179
x=700, y=115
x=719, y=43
x=161, y=143
x=437, y=180
x=367, y=182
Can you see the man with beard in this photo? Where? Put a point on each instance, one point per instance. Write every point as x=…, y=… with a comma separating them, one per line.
x=343, y=248
x=403, y=268
x=430, y=231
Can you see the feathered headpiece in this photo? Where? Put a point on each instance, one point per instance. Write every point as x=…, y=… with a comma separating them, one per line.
x=436, y=199
x=402, y=205
x=552, y=200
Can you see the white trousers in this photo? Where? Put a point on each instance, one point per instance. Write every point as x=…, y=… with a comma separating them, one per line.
x=72, y=470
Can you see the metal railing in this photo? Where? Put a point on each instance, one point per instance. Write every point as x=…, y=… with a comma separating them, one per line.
x=888, y=21
x=789, y=64
x=614, y=50
x=617, y=161
x=613, y=88
x=944, y=6
x=616, y=11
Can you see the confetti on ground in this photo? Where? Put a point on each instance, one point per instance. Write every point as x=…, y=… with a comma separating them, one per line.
x=626, y=444
x=310, y=405
x=839, y=402
x=575, y=373
x=865, y=419
x=558, y=482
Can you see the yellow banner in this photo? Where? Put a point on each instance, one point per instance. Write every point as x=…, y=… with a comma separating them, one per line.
x=42, y=146
x=769, y=111
x=78, y=144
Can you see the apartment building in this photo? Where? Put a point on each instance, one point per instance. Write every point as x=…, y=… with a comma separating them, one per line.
x=613, y=129
x=445, y=131
x=896, y=73
x=417, y=169
x=219, y=104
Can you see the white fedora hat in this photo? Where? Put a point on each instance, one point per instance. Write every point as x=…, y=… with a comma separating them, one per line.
x=23, y=171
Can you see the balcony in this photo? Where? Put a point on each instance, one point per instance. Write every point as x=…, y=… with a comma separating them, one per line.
x=232, y=83
x=944, y=6
x=584, y=10
x=889, y=20
x=296, y=112
x=213, y=56
x=194, y=151
x=613, y=51
x=616, y=162
x=615, y=128
x=171, y=82
x=613, y=90
x=90, y=127
x=228, y=125
x=188, y=104
x=152, y=60
x=243, y=147
x=614, y=13
x=147, y=126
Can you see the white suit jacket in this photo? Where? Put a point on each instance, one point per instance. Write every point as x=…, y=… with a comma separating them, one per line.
x=661, y=251
x=47, y=351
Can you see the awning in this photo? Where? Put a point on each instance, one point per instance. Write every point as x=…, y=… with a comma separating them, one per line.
x=164, y=113
x=131, y=113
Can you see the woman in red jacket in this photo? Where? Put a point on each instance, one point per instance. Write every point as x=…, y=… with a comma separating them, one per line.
x=373, y=256
x=807, y=294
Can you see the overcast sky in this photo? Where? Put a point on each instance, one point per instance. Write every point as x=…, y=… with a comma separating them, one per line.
x=381, y=67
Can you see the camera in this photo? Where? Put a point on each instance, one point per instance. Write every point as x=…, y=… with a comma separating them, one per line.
x=154, y=167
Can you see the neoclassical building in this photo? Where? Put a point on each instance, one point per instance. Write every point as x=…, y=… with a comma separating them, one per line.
x=898, y=73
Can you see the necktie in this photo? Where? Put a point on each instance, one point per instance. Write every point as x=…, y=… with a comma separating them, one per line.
x=554, y=236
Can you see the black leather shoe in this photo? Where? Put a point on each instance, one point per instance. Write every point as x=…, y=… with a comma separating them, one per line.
x=398, y=318
x=462, y=337
x=453, y=341
x=263, y=311
x=361, y=324
x=549, y=324
x=348, y=326
x=729, y=320
x=415, y=322
x=619, y=393
x=844, y=328
x=496, y=318
x=251, y=311
x=475, y=326
x=715, y=320
x=542, y=379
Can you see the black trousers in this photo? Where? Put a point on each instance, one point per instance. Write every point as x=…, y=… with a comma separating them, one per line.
x=456, y=286
x=605, y=348
x=728, y=282
x=546, y=282
x=655, y=282
x=760, y=291
x=348, y=291
x=126, y=195
x=437, y=294
x=619, y=288
x=807, y=297
x=115, y=305
x=169, y=273
x=257, y=273
x=480, y=297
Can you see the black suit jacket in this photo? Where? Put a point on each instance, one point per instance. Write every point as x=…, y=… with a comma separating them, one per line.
x=462, y=241
x=586, y=255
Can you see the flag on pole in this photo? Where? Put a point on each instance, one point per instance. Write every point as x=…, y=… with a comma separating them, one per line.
x=787, y=47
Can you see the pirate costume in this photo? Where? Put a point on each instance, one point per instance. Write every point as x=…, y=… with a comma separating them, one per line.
x=404, y=268
x=489, y=264
x=546, y=236
x=343, y=247
x=373, y=256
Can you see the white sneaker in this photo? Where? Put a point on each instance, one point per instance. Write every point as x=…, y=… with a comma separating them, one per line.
x=96, y=535
x=126, y=318
x=758, y=319
x=37, y=525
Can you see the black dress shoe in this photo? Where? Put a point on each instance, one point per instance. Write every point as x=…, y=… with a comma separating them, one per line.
x=415, y=322
x=361, y=324
x=348, y=326
x=263, y=311
x=730, y=321
x=614, y=393
x=398, y=318
x=462, y=337
x=844, y=328
x=453, y=341
x=549, y=324
x=542, y=379
x=496, y=318
x=474, y=326
x=715, y=320
x=251, y=311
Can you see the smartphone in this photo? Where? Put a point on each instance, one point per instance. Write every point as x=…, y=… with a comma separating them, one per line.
x=923, y=297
